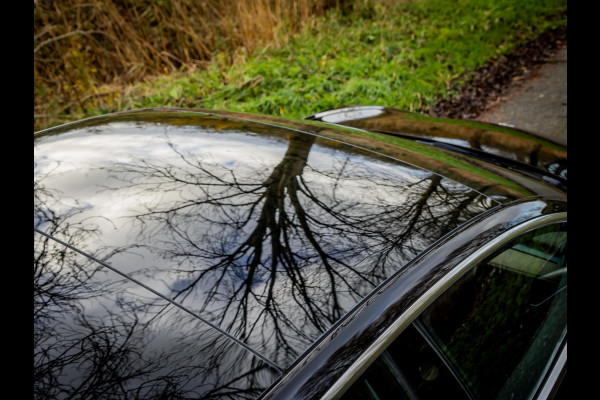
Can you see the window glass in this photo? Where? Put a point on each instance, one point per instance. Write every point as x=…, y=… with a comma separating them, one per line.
x=427, y=375
x=493, y=334
x=499, y=326
x=379, y=382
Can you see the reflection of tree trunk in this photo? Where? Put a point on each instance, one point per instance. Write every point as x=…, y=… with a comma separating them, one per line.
x=294, y=160
x=475, y=140
x=283, y=177
x=273, y=215
x=534, y=155
x=271, y=228
x=421, y=204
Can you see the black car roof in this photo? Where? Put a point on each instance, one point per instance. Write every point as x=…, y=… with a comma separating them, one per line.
x=249, y=240
x=508, y=147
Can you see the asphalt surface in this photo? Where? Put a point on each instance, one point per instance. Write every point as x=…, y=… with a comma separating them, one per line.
x=537, y=103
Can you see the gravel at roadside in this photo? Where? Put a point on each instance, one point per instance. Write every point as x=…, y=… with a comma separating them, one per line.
x=526, y=89
x=539, y=104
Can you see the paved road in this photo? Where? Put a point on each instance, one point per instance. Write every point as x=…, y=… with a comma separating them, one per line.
x=538, y=104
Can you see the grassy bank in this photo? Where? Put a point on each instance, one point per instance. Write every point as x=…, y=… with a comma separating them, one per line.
x=80, y=47
x=398, y=54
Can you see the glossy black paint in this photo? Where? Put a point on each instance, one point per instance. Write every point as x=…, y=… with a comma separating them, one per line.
x=507, y=147
x=334, y=353
x=272, y=231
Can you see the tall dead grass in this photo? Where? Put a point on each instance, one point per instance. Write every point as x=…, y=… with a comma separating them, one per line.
x=82, y=45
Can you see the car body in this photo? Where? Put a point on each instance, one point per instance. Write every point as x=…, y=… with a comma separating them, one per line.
x=203, y=254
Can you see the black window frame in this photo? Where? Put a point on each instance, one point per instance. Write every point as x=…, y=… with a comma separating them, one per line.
x=549, y=383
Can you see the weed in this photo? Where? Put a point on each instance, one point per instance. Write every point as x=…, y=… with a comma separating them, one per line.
x=366, y=52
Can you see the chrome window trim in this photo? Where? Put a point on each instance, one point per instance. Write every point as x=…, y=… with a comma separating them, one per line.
x=550, y=386
x=415, y=309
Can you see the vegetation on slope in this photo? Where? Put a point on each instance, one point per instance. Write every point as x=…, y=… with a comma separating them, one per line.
x=375, y=52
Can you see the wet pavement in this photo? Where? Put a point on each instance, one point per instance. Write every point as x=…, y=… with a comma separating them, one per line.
x=537, y=103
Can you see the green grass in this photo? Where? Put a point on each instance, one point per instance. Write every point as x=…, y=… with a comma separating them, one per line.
x=397, y=55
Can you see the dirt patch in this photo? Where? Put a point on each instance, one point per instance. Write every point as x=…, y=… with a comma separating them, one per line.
x=493, y=80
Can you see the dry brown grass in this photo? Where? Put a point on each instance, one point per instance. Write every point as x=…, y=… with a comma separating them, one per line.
x=82, y=45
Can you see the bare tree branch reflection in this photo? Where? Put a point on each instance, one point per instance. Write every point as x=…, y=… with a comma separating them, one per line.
x=276, y=255
x=96, y=336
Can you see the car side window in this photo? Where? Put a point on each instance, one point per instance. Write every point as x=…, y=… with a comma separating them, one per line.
x=409, y=368
x=493, y=333
x=380, y=381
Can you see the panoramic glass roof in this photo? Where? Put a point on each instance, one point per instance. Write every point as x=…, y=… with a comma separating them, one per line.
x=271, y=235
x=97, y=334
